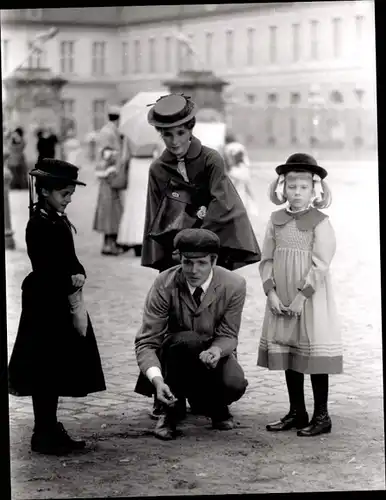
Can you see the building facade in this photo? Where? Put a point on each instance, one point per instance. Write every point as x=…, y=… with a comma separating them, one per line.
x=298, y=73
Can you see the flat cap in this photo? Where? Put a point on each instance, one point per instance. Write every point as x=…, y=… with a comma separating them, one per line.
x=197, y=241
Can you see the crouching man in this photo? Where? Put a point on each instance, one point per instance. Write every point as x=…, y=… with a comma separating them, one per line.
x=186, y=345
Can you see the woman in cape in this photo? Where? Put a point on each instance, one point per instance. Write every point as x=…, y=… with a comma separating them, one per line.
x=188, y=187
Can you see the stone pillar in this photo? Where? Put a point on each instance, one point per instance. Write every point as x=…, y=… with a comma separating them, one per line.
x=205, y=89
x=32, y=101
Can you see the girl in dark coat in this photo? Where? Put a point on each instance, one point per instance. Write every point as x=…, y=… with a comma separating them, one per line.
x=191, y=176
x=51, y=358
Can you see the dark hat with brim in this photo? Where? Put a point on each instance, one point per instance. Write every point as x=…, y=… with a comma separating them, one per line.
x=301, y=162
x=50, y=168
x=196, y=243
x=171, y=111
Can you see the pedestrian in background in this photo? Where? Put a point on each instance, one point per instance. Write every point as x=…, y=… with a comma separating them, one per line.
x=300, y=329
x=72, y=148
x=47, y=143
x=109, y=208
x=55, y=353
x=16, y=159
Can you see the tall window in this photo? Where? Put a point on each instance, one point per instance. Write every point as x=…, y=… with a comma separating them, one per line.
x=293, y=130
x=359, y=22
x=229, y=48
x=67, y=52
x=296, y=42
x=152, y=63
x=314, y=40
x=208, y=48
x=168, y=53
x=251, y=47
x=273, y=44
x=4, y=55
x=295, y=98
x=337, y=36
x=67, y=114
x=35, y=58
x=98, y=114
x=98, y=58
x=125, y=58
x=137, y=56
x=189, y=54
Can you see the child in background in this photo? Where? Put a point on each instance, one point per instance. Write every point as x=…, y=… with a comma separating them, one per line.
x=239, y=174
x=300, y=330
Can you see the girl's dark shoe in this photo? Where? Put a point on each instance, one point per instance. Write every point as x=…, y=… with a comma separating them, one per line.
x=320, y=424
x=292, y=420
x=55, y=441
x=63, y=437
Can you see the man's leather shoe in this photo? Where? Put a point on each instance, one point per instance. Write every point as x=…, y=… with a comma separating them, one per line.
x=165, y=427
x=179, y=410
x=223, y=425
x=320, y=424
x=290, y=421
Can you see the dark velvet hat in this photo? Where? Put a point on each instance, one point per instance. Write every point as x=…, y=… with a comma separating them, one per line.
x=171, y=111
x=196, y=242
x=301, y=162
x=56, y=169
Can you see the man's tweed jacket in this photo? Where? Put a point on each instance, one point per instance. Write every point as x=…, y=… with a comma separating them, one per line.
x=170, y=308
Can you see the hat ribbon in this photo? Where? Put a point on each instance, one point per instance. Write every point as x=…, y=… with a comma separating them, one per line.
x=279, y=191
x=318, y=188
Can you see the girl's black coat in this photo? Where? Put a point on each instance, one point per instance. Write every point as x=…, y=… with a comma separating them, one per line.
x=49, y=355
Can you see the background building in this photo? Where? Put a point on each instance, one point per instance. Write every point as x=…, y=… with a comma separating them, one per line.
x=298, y=73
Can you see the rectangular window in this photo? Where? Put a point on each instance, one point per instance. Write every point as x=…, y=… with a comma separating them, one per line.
x=98, y=58
x=293, y=130
x=295, y=98
x=189, y=53
x=152, y=68
x=125, y=58
x=137, y=56
x=67, y=57
x=315, y=40
x=251, y=47
x=35, y=58
x=296, y=42
x=4, y=55
x=98, y=114
x=208, y=48
x=273, y=44
x=180, y=55
x=67, y=107
x=337, y=36
x=229, y=48
x=168, y=54
x=359, y=22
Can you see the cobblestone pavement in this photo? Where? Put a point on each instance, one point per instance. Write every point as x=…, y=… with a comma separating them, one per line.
x=126, y=460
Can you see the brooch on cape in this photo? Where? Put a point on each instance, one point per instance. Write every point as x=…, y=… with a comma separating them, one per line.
x=201, y=212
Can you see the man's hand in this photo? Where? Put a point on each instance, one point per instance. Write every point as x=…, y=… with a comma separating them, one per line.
x=211, y=357
x=78, y=280
x=296, y=306
x=275, y=304
x=163, y=392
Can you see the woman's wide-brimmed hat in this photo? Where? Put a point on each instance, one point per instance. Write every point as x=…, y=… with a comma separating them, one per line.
x=50, y=168
x=301, y=162
x=171, y=111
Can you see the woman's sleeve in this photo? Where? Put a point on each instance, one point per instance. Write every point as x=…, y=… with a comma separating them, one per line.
x=323, y=251
x=152, y=200
x=266, y=263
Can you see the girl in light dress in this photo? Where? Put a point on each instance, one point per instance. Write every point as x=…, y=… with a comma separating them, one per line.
x=300, y=332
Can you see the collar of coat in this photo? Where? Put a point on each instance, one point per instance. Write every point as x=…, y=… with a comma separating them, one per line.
x=305, y=221
x=193, y=152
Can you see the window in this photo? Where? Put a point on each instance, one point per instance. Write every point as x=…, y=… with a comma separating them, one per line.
x=337, y=38
x=137, y=56
x=229, y=48
x=251, y=98
x=359, y=93
x=208, y=48
x=67, y=57
x=98, y=58
x=250, y=47
x=35, y=58
x=315, y=40
x=189, y=53
x=295, y=42
x=4, y=55
x=168, y=53
x=272, y=98
x=152, y=55
x=293, y=130
x=359, y=21
x=272, y=44
x=125, y=58
x=98, y=114
x=336, y=97
x=295, y=98
x=269, y=131
x=67, y=115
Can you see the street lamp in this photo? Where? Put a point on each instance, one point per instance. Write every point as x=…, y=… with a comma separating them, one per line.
x=316, y=103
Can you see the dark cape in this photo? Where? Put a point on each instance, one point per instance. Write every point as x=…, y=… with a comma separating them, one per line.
x=49, y=355
x=226, y=215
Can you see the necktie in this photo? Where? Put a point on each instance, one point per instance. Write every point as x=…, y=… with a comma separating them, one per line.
x=197, y=295
x=182, y=169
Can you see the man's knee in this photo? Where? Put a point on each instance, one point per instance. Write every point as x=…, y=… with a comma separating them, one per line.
x=233, y=379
